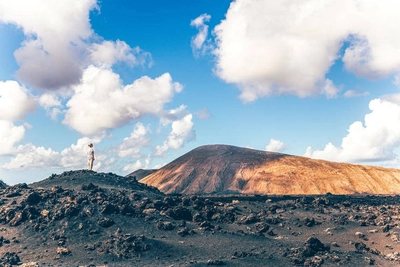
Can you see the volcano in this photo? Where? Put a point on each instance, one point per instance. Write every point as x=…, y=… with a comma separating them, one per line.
x=223, y=168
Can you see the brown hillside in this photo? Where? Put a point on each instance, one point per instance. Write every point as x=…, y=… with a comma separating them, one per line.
x=222, y=168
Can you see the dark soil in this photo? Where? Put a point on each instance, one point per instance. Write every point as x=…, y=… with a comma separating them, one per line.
x=84, y=218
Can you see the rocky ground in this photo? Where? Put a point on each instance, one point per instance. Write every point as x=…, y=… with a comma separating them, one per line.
x=84, y=218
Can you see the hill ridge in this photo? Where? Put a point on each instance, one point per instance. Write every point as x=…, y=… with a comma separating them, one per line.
x=221, y=168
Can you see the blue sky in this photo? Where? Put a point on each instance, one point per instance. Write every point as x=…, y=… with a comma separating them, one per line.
x=147, y=81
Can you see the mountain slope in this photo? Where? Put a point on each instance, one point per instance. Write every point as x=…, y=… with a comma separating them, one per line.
x=221, y=168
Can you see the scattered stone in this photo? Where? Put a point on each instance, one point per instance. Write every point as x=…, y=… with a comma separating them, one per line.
x=183, y=232
x=361, y=247
x=63, y=251
x=215, y=262
x=33, y=198
x=309, y=222
x=361, y=235
x=30, y=264
x=315, y=261
x=10, y=258
x=314, y=245
x=179, y=213
x=124, y=246
x=335, y=244
x=261, y=227
x=369, y=261
x=385, y=228
x=166, y=226
x=106, y=222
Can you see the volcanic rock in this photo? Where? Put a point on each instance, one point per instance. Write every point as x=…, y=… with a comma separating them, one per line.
x=84, y=218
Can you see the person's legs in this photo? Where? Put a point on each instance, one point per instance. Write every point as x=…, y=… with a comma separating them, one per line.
x=90, y=164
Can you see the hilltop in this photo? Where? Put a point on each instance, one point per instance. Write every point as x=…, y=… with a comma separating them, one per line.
x=223, y=168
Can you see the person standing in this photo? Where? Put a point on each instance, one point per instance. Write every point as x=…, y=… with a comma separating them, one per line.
x=90, y=156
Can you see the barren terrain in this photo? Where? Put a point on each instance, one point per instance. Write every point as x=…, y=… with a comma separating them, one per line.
x=84, y=218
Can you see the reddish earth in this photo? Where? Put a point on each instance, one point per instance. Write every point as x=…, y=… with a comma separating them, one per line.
x=222, y=168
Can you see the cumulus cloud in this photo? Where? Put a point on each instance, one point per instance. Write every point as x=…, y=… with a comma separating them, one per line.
x=182, y=131
x=329, y=89
x=375, y=140
x=101, y=102
x=204, y=114
x=136, y=166
x=32, y=157
x=15, y=102
x=393, y=98
x=49, y=100
x=60, y=42
x=75, y=155
x=109, y=53
x=395, y=163
x=276, y=146
x=10, y=135
x=283, y=47
x=168, y=116
x=51, y=104
x=198, y=41
x=50, y=56
x=132, y=145
x=355, y=93
x=29, y=156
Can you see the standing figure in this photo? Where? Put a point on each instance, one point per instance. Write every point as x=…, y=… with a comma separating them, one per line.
x=90, y=156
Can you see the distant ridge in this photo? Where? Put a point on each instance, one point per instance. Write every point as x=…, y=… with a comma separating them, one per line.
x=224, y=168
x=141, y=173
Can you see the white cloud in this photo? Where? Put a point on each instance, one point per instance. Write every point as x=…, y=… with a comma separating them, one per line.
x=32, y=157
x=75, y=156
x=109, y=53
x=355, y=93
x=393, y=98
x=276, y=146
x=283, y=47
x=15, y=102
x=101, y=102
x=10, y=135
x=373, y=141
x=51, y=104
x=329, y=89
x=395, y=163
x=51, y=55
x=133, y=167
x=201, y=37
x=204, y=114
x=396, y=80
x=168, y=116
x=29, y=156
x=182, y=131
x=60, y=42
x=136, y=166
x=132, y=145
x=49, y=100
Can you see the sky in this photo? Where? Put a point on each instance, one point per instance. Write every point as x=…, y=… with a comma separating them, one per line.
x=146, y=81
